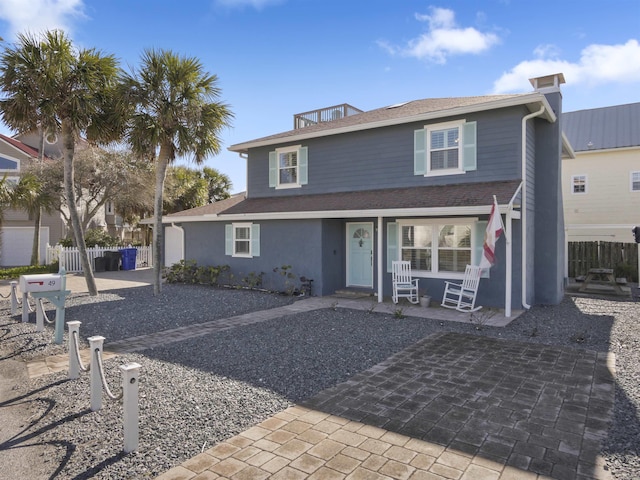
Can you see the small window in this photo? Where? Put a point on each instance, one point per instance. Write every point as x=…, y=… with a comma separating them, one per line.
x=579, y=184
x=110, y=208
x=288, y=167
x=445, y=149
x=635, y=181
x=242, y=240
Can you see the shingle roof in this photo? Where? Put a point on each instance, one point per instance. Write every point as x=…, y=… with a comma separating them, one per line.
x=409, y=111
x=438, y=196
x=212, y=208
x=20, y=146
x=603, y=128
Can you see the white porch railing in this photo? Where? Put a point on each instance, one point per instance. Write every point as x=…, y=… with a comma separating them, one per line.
x=69, y=257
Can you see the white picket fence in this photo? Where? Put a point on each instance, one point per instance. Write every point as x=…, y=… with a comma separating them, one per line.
x=69, y=257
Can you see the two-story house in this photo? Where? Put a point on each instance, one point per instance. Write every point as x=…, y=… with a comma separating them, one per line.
x=601, y=184
x=346, y=192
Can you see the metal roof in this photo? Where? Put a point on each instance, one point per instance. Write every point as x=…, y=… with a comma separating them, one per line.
x=603, y=128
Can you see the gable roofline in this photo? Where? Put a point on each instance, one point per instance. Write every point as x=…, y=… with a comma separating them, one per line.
x=18, y=145
x=533, y=101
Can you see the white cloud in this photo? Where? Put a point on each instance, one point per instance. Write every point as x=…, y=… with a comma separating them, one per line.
x=444, y=38
x=598, y=64
x=36, y=16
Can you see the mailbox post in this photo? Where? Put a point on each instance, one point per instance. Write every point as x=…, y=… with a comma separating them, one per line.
x=50, y=286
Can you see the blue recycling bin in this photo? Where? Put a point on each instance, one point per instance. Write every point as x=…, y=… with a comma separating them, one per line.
x=128, y=258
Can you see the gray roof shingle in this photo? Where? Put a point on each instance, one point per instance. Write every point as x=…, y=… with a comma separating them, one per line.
x=436, y=196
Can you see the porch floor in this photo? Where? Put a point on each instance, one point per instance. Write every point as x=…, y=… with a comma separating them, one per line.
x=435, y=311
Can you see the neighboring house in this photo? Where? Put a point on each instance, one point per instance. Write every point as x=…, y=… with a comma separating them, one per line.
x=348, y=192
x=16, y=233
x=601, y=185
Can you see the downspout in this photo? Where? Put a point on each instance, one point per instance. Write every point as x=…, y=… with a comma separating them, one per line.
x=523, y=212
x=379, y=255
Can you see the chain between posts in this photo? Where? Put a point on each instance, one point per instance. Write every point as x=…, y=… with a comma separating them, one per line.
x=98, y=354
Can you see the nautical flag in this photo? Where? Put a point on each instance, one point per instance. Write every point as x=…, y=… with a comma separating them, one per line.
x=491, y=236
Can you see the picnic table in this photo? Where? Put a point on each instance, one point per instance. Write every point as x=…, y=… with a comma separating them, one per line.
x=601, y=277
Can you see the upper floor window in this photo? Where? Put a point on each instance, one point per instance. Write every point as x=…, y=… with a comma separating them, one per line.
x=635, y=181
x=242, y=240
x=288, y=167
x=579, y=184
x=445, y=148
x=110, y=208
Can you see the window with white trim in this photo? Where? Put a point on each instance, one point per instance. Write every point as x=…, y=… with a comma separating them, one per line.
x=445, y=148
x=579, y=184
x=635, y=181
x=437, y=246
x=110, y=208
x=242, y=240
x=288, y=167
x=443, y=145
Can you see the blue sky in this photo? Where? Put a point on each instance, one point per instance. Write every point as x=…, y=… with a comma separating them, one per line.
x=275, y=58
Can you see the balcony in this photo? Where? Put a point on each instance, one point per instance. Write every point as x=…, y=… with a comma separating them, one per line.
x=328, y=114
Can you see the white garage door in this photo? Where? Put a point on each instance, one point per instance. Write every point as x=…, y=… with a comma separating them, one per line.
x=16, y=244
x=173, y=245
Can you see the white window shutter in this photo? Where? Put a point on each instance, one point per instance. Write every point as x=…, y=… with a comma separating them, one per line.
x=228, y=239
x=477, y=248
x=273, y=169
x=469, y=148
x=303, y=170
x=392, y=245
x=420, y=152
x=255, y=240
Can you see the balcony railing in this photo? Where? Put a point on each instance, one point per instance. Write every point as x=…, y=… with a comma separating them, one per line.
x=328, y=114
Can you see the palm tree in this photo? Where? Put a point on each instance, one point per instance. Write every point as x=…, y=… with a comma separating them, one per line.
x=48, y=82
x=176, y=112
x=30, y=195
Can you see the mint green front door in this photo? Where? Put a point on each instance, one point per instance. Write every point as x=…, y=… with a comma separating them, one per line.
x=360, y=254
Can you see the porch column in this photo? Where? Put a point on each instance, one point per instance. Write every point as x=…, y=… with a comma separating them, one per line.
x=380, y=269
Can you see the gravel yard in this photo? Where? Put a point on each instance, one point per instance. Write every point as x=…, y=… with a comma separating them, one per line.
x=197, y=392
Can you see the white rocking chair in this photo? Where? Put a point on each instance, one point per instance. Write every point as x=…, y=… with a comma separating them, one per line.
x=462, y=296
x=403, y=285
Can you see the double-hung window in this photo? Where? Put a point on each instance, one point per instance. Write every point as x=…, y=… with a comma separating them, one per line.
x=288, y=167
x=445, y=149
x=242, y=240
x=436, y=247
x=635, y=181
x=579, y=184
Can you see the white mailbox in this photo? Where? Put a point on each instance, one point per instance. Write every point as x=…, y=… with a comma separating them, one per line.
x=48, y=282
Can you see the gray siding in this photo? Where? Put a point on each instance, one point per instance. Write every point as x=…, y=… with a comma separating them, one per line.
x=287, y=242
x=549, y=215
x=383, y=158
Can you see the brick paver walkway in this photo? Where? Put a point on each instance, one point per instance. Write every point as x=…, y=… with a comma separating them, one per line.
x=452, y=406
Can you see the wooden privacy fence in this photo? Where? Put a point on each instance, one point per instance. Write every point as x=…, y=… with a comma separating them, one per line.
x=69, y=257
x=622, y=257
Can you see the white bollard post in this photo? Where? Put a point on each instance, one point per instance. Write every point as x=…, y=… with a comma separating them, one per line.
x=25, y=307
x=130, y=377
x=74, y=366
x=39, y=315
x=95, y=343
x=14, y=297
